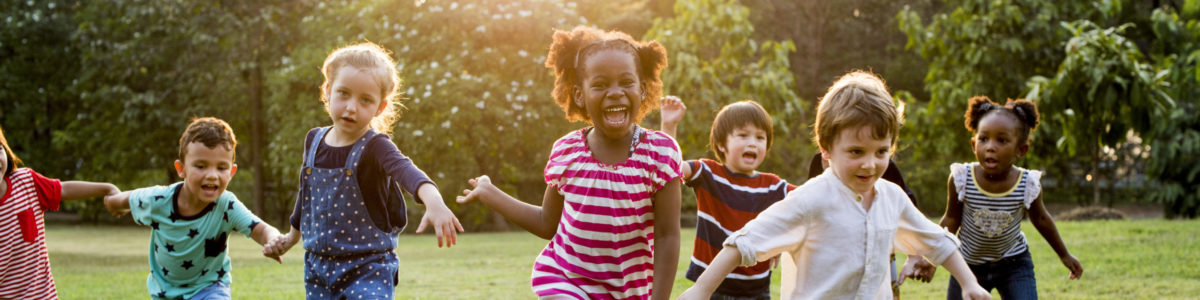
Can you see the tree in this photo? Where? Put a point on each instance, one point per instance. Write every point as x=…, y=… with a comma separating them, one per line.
x=714, y=61
x=1174, y=159
x=981, y=48
x=1104, y=91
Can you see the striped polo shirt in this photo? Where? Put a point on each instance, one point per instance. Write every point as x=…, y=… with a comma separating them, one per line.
x=725, y=201
x=603, y=247
x=24, y=262
x=991, y=222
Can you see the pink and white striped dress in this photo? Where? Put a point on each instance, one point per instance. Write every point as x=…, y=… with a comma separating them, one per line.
x=603, y=247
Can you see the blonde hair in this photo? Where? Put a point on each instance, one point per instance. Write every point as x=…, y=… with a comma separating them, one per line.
x=858, y=98
x=374, y=59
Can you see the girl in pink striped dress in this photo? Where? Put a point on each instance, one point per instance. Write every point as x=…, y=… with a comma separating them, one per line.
x=611, y=207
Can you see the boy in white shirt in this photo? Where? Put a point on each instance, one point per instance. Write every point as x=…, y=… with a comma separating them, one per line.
x=840, y=227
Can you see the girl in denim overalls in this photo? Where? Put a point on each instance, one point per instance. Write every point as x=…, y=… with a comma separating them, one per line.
x=345, y=211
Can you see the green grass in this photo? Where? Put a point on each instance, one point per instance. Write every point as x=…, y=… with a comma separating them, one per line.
x=1122, y=259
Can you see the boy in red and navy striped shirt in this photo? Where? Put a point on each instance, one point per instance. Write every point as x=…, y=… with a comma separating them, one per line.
x=27, y=195
x=729, y=190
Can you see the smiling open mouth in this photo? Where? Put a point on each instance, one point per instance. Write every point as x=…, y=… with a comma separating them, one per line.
x=616, y=115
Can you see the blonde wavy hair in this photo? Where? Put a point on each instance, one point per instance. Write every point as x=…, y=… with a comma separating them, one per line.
x=377, y=61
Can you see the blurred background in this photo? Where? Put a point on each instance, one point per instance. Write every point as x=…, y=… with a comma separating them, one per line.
x=101, y=90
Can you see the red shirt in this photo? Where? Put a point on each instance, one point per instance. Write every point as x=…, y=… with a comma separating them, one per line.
x=24, y=261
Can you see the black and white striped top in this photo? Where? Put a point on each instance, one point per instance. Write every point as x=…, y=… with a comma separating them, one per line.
x=991, y=222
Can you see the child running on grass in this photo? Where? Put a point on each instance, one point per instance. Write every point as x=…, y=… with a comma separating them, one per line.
x=192, y=219
x=347, y=213
x=25, y=196
x=611, y=207
x=840, y=226
x=988, y=198
x=730, y=190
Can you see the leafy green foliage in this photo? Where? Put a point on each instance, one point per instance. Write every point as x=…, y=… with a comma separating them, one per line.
x=1175, y=157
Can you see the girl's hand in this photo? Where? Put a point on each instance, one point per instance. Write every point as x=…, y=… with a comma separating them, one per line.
x=672, y=110
x=480, y=185
x=917, y=268
x=1073, y=264
x=444, y=223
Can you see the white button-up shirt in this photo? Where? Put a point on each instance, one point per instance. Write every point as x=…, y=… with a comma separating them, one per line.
x=841, y=250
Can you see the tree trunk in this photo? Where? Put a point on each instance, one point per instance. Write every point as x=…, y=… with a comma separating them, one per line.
x=1095, y=175
x=257, y=140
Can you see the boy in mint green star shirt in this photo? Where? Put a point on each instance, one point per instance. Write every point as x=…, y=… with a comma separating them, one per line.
x=191, y=220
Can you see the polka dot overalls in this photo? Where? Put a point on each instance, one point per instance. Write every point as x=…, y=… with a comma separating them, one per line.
x=347, y=256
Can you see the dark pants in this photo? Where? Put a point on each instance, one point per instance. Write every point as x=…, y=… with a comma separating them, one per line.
x=1011, y=276
x=719, y=296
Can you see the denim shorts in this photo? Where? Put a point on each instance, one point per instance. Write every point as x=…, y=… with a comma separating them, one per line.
x=1011, y=276
x=216, y=291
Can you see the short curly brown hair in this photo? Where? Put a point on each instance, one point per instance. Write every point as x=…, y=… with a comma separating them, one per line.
x=210, y=131
x=570, y=48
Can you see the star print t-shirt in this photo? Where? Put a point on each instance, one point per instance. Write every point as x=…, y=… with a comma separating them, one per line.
x=188, y=253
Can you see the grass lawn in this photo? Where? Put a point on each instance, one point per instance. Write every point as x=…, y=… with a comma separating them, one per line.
x=1153, y=259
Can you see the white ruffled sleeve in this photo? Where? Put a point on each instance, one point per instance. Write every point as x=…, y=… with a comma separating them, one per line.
x=1033, y=186
x=959, y=172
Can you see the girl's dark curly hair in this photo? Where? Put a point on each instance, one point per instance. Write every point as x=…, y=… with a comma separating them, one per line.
x=1024, y=110
x=571, y=48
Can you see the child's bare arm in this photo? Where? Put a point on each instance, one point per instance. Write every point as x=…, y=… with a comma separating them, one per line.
x=438, y=215
x=666, y=238
x=264, y=234
x=970, y=286
x=117, y=204
x=1045, y=225
x=953, y=216
x=712, y=277
x=542, y=220
x=76, y=190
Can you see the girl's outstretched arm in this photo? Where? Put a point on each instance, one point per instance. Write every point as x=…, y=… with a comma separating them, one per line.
x=666, y=238
x=1045, y=225
x=76, y=190
x=953, y=216
x=542, y=221
x=438, y=215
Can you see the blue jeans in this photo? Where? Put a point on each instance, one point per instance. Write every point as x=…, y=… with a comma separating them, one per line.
x=1011, y=276
x=218, y=290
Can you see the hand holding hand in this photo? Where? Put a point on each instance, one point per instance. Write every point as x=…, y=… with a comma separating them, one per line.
x=917, y=268
x=276, y=247
x=113, y=202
